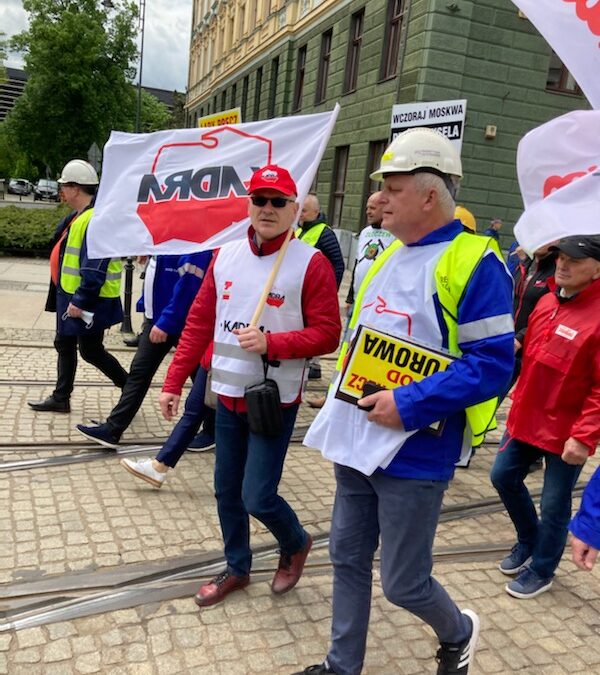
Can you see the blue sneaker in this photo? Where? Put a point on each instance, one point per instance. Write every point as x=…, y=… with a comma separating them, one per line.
x=202, y=442
x=101, y=434
x=519, y=556
x=528, y=584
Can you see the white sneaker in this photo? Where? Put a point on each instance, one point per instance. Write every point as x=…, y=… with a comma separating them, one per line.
x=143, y=469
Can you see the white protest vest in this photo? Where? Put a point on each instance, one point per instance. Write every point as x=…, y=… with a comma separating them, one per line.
x=240, y=277
x=399, y=300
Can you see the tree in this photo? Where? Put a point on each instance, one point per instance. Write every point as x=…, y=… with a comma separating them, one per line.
x=178, y=114
x=78, y=57
x=154, y=114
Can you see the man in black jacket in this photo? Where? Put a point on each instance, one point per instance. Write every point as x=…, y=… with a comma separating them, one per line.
x=314, y=231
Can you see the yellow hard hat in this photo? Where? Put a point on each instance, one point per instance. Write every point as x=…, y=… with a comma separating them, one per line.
x=466, y=218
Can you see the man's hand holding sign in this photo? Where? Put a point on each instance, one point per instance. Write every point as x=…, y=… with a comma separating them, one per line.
x=383, y=409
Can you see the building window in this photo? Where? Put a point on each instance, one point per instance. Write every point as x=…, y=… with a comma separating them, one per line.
x=224, y=99
x=391, y=39
x=559, y=78
x=323, y=73
x=245, y=86
x=273, y=87
x=338, y=185
x=257, y=92
x=376, y=150
x=353, y=57
x=233, y=94
x=241, y=20
x=300, y=68
x=215, y=104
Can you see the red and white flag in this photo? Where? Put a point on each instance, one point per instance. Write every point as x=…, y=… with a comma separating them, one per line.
x=185, y=190
x=558, y=165
x=572, y=29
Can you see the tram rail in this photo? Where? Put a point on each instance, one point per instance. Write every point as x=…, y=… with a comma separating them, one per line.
x=70, y=596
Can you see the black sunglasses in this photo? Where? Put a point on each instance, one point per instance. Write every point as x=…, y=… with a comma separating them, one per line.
x=277, y=202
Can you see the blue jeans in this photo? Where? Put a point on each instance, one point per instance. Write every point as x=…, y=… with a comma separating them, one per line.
x=545, y=536
x=194, y=413
x=248, y=469
x=404, y=513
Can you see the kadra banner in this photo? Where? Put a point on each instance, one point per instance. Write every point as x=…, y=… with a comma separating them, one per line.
x=447, y=117
x=185, y=190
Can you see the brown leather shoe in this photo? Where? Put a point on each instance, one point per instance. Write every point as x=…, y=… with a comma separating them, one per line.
x=290, y=569
x=219, y=588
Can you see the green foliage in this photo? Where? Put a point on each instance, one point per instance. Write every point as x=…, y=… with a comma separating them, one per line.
x=178, y=115
x=28, y=230
x=154, y=114
x=78, y=57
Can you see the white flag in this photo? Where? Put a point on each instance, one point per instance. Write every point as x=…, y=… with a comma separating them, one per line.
x=571, y=210
x=572, y=29
x=558, y=165
x=185, y=190
x=557, y=153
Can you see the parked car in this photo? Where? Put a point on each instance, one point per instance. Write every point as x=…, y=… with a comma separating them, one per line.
x=19, y=186
x=46, y=189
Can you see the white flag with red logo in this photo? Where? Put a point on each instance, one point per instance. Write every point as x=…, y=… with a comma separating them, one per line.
x=558, y=165
x=185, y=190
x=572, y=29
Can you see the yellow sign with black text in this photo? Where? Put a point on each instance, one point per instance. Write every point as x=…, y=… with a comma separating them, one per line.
x=386, y=361
x=232, y=116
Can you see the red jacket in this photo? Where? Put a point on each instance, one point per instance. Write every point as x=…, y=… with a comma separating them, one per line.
x=320, y=335
x=558, y=393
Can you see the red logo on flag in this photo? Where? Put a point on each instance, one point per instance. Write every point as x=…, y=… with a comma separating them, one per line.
x=199, y=201
x=556, y=182
x=589, y=14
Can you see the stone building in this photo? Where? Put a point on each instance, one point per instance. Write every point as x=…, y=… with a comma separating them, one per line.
x=278, y=57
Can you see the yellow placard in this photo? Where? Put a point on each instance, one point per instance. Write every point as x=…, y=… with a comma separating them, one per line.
x=386, y=361
x=232, y=116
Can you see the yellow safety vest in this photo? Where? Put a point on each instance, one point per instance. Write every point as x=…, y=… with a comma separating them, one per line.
x=452, y=275
x=70, y=277
x=313, y=234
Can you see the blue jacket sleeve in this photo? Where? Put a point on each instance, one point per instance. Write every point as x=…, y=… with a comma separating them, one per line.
x=484, y=369
x=192, y=269
x=93, y=276
x=586, y=523
x=330, y=247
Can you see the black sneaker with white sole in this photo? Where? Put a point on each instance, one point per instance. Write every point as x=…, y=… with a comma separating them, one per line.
x=455, y=659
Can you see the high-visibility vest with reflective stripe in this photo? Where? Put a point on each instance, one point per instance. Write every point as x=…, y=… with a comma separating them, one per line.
x=70, y=277
x=312, y=235
x=452, y=275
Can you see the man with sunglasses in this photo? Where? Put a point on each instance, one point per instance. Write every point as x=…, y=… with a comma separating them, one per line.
x=300, y=319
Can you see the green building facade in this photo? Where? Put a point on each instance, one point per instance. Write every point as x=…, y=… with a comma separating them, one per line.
x=382, y=52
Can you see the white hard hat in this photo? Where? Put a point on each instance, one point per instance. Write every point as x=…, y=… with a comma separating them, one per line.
x=79, y=171
x=419, y=149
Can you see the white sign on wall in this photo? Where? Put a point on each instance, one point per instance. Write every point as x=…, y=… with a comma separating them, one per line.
x=447, y=117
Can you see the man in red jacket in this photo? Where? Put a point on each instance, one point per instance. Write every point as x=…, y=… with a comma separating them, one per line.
x=555, y=414
x=300, y=319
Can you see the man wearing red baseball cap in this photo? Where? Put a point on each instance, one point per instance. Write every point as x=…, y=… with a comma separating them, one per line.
x=300, y=319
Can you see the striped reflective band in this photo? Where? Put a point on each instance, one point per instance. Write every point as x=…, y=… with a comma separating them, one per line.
x=72, y=249
x=113, y=276
x=188, y=268
x=485, y=328
x=233, y=352
x=70, y=270
x=234, y=379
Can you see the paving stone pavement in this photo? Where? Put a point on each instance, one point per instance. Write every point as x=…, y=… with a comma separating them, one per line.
x=95, y=516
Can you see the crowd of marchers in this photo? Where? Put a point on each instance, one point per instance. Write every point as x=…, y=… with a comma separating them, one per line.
x=423, y=277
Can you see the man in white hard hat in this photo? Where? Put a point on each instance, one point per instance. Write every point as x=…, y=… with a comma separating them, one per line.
x=434, y=316
x=84, y=293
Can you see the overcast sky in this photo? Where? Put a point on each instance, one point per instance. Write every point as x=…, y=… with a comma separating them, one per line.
x=166, y=40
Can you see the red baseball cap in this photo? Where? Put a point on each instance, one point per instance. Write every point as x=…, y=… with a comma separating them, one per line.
x=273, y=177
